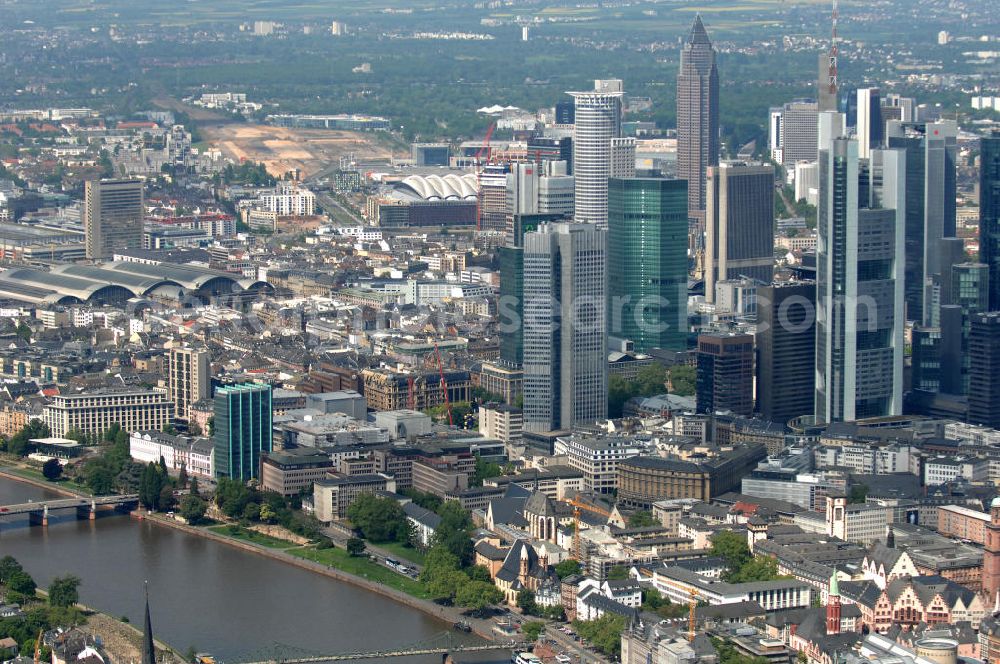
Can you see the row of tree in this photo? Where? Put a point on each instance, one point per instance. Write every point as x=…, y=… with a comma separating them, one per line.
x=247, y=504
x=20, y=588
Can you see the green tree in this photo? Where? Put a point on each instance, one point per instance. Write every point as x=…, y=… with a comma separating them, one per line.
x=356, y=546
x=64, y=591
x=732, y=548
x=618, y=573
x=605, y=633
x=454, y=531
x=642, y=519
x=24, y=332
x=20, y=443
x=8, y=566
x=267, y=513
x=20, y=582
x=379, y=519
x=682, y=380
x=182, y=477
x=52, y=470
x=532, y=630
x=484, y=470
x=568, y=567
x=99, y=479
x=526, y=602
x=477, y=595
x=193, y=488
x=251, y=512
x=192, y=509
x=760, y=568
x=858, y=494
x=166, y=500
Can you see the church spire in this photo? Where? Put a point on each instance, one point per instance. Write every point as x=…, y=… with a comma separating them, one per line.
x=148, y=649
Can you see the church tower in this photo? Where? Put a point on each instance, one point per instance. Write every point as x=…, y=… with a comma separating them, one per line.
x=833, y=607
x=991, y=554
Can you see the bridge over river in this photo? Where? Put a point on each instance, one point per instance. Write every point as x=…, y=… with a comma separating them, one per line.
x=86, y=508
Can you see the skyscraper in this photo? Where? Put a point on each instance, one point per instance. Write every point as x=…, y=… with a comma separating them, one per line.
x=984, y=369
x=869, y=125
x=598, y=117
x=242, y=429
x=697, y=117
x=989, y=212
x=796, y=124
x=647, y=262
x=859, y=297
x=190, y=378
x=493, y=197
x=510, y=306
x=786, y=350
x=565, y=339
x=112, y=216
x=827, y=83
x=725, y=373
x=739, y=223
x=931, y=149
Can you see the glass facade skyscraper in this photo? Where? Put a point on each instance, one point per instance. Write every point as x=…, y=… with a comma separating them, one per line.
x=697, y=116
x=989, y=213
x=647, y=262
x=859, y=296
x=242, y=429
x=565, y=329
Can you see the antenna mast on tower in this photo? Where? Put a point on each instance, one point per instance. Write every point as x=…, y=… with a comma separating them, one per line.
x=832, y=82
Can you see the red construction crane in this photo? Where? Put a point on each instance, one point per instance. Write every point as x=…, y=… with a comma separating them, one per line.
x=444, y=383
x=479, y=172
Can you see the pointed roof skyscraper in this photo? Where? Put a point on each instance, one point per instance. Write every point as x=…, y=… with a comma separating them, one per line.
x=697, y=123
x=698, y=33
x=148, y=649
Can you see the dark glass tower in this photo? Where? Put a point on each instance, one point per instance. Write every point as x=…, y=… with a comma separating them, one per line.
x=242, y=429
x=725, y=373
x=989, y=213
x=511, y=307
x=931, y=149
x=697, y=116
x=786, y=350
x=984, y=370
x=647, y=262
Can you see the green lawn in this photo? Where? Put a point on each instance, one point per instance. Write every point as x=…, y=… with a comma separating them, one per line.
x=363, y=567
x=253, y=537
x=402, y=551
x=63, y=484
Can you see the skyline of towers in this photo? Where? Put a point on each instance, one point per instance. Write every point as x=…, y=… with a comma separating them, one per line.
x=112, y=216
x=859, y=298
x=647, y=262
x=697, y=117
x=598, y=115
x=739, y=223
x=565, y=326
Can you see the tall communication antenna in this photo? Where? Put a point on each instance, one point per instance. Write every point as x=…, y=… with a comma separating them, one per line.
x=832, y=83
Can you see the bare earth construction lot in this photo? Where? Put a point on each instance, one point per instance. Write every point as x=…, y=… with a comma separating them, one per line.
x=282, y=149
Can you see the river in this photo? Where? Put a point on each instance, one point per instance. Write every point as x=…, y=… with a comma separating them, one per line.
x=206, y=595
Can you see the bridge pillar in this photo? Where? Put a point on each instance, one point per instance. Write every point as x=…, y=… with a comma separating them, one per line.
x=87, y=511
x=39, y=517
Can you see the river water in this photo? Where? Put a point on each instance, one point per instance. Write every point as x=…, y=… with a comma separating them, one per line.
x=206, y=595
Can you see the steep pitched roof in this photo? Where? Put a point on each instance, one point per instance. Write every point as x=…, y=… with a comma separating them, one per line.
x=698, y=33
x=539, y=504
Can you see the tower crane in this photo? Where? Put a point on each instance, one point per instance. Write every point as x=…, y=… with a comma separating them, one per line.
x=578, y=506
x=692, y=605
x=479, y=173
x=444, y=383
